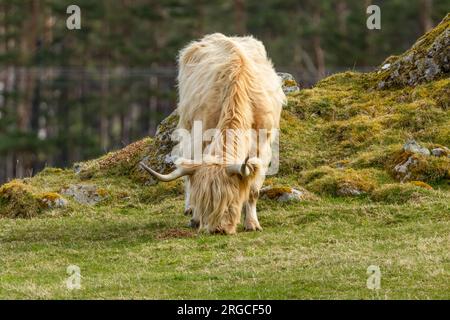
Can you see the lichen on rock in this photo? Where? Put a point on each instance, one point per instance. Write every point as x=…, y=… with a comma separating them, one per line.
x=86, y=194
x=53, y=200
x=289, y=84
x=285, y=193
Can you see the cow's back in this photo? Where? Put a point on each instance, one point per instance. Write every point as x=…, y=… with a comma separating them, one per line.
x=202, y=75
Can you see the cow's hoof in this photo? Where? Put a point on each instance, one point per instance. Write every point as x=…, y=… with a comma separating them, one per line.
x=188, y=212
x=194, y=224
x=252, y=226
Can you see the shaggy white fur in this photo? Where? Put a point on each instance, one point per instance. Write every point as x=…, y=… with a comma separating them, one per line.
x=227, y=83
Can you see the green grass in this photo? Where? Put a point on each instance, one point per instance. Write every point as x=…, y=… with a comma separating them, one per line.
x=139, y=248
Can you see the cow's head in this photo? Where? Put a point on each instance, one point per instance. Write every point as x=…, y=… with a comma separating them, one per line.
x=217, y=191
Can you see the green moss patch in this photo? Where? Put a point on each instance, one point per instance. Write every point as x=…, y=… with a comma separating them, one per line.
x=17, y=200
x=339, y=182
x=20, y=200
x=401, y=193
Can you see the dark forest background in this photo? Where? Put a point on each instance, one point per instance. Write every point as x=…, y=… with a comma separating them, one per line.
x=69, y=95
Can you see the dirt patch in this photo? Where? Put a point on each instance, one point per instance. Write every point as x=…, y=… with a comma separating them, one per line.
x=174, y=234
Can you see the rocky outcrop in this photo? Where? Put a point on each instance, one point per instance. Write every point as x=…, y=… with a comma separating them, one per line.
x=427, y=60
x=159, y=156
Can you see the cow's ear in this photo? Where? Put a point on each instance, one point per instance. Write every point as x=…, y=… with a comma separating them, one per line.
x=249, y=168
x=246, y=169
x=252, y=167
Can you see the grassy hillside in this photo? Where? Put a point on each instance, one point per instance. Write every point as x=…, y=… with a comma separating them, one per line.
x=341, y=140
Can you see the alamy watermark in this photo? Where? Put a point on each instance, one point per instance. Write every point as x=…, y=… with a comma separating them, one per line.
x=226, y=146
x=374, y=20
x=73, y=22
x=374, y=279
x=73, y=282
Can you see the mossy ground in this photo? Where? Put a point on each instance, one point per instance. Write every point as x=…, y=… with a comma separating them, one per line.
x=135, y=243
x=341, y=135
x=347, y=129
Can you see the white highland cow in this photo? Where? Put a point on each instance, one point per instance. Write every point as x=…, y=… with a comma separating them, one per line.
x=229, y=87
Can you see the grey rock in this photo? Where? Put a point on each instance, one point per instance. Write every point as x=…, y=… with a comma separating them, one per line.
x=55, y=203
x=288, y=82
x=349, y=190
x=282, y=195
x=84, y=193
x=402, y=170
x=431, y=69
x=77, y=168
x=439, y=152
x=427, y=60
x=414, y=147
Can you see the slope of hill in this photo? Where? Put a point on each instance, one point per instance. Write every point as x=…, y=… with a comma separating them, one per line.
x=373, y=159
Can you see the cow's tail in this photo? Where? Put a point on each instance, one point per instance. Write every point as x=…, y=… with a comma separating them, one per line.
x=237, y=87
x=236, y=81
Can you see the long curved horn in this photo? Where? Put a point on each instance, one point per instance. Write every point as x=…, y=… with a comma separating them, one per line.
x=241, y=169
x=177, y=173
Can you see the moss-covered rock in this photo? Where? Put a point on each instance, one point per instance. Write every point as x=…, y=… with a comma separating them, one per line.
x=85, y=193
x=427, y=60
x=21, y=200
x=339, y=182
x=17, y=200
x=408, y=166
x=119, y=163
x=159, y=154
x=289, y=84
x=285, y=193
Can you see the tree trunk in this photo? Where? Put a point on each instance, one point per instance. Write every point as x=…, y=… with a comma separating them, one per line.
x=104, y=119
x=425, y=8
x=342, y=14
x=240, y=17
x=318, y=51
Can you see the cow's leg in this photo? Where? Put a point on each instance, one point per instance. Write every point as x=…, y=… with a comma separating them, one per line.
x=195, y=221
x=251, y=222
x=187, y=194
